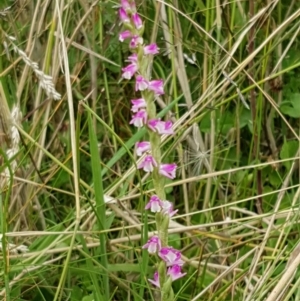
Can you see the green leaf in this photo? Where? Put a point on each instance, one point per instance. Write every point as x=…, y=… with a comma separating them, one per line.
x=291, y=107
x=288, y=150
x=100, y=204
x=245, y=118
x=88, y=298
x=291, y=58
x=76, y=294
x=225, y=122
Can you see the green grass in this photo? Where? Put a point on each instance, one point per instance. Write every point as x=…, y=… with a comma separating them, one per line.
x=237, y=188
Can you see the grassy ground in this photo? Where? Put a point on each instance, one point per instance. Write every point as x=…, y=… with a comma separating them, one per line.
x=232, y=80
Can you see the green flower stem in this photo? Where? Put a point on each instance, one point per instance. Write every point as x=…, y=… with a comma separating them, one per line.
x=162, y=224
x=167, y=293
x=162, y=220
x=158, y=180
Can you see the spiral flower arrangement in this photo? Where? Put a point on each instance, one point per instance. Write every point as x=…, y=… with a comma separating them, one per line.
x=169, y=262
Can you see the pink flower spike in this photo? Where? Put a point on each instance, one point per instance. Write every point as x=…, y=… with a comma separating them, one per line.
x=167, y=208
x=129, y=71
x=125, y=35
x=141, y=84
x=151, y=49
x=153, y=245
x=129, y=6
x=170, y=256
x=132, y=7
x=157, y=86
x=139, y=119
x=154, y=204
x=133, y=58
x=137, y=104
x=123, y=15
x=168, y=170
x=161, y=127
x=152, y=124
x=125, y=5
x=155, y=280
x=137, y=21
x=147, y=164
x=135, y=41
x=175, y=272
x=142, y=147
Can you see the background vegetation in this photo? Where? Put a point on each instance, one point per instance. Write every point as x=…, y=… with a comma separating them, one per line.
x=232, y=78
